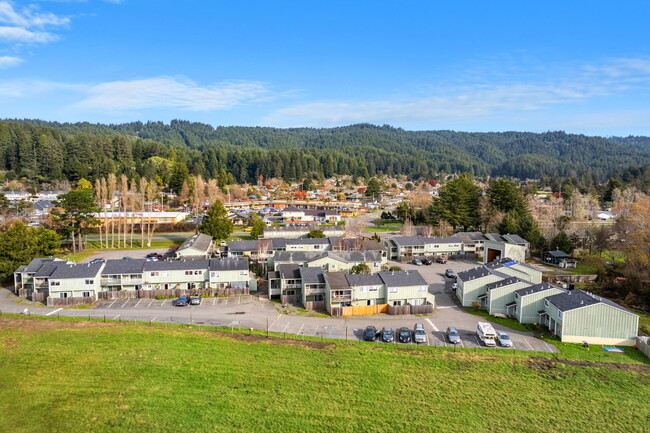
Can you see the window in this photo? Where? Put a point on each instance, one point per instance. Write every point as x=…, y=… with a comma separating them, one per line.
x=63, y=295
x=85, y=294
x=397, y=303
x=560, y=314
x=317, y=247
x=416, y=302
x=373, y=288
x=516, y=295
x=215, y=274
x=376, y=265
x=392, y=290
x=189, y=273
x=289, y=292
x=243, y=273
x=436, y=246
x=546, y=302
x=89, y=282
x=55, y=283
x=155, y=274
x=422, y=289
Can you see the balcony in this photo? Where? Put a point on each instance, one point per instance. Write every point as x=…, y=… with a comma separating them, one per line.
x=121, y=281
x=292, y=286
x=344, y=298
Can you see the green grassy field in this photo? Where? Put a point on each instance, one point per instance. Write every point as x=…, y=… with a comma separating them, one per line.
x=382, y=229
x=93, y=247
x=68, y=376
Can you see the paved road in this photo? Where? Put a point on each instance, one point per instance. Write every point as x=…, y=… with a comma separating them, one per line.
x=259, y=313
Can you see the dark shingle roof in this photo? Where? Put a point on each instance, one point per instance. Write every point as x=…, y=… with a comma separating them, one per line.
x=35, y=264
x=364, y=280
x=312, y=275
x=307, y=241
x=474, y=273
x=176, y=265
x=501, y=283
x=402, y=278
x=536, y=288
x=515, y=239
x=572, y=299
x=556, y=253
x=85, y=270
x=116, y=267
x=337, y=280
x=242, y=246
x=199, y=242
x=421, y=241
x=48, y=268
x=289, y=271
x=296, y=256
x=229, y=264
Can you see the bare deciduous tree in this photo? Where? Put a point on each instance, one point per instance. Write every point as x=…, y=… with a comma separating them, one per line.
x=112, y=186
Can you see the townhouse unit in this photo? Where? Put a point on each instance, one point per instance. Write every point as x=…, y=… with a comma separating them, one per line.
x=198, y=246
x=500, y=294
x=24, y=276
x=471, y=284
x=313, y=288
x=231, y=272
x=529, y=302
x=407, y=247
x=388, y=287
x=176, y=274
x=123, y=275
x=329, y=260
x=473, y=242
x=69, y=280
x=517, y=269
x=498, y=246
x=266, y=247
x=576, y=316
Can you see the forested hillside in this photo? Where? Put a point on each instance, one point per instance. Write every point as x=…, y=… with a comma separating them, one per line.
x=48, y=150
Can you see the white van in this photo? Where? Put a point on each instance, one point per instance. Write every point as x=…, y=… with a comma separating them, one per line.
x=486, y=334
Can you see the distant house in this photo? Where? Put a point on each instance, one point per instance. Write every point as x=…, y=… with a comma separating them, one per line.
x=293, y=214
x=42, y=207
x=576, y=316
x=293, y=232
x=405, y=247
x=558, y=258
x=138, y=217
x=197, y=246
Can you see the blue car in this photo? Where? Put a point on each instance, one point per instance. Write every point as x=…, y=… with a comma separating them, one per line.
x=182, y=301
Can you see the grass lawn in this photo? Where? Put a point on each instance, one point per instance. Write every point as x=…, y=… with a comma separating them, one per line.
x=108, y=377
x=644, y=321
x=382, y=229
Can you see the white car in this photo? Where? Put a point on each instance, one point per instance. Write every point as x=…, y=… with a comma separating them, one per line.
x=504, y=339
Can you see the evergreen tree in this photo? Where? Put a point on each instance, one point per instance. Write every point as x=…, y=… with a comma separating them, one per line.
x=258, y=225
x=216, y=222
x=562, y=242
x=457, y=203
x=508, y=225
x=75, y=214
x=373, y=188
x=505, y=196
x=315, y=234
x=20, y=244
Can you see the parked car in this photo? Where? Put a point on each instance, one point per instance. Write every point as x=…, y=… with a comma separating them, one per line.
x=404, y=335
x=127, y=258
x=95, y=261
x=504, y=339
x=182, y=301
x=449, y=273
x=417, y=262
x=442, y=259
x=370, y=333
x=152, y=259
x=154, y=255
x=427, y=262
x=195, y=300
x=387, y=335
x=452, y=335
x=419, y=334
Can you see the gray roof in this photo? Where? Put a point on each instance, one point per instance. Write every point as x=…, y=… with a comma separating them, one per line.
x=364, y=280
x=307, y=241
x=229, y=264
x=536, y=288
x=176, y=265
x=474, y=273
x=557, y=253
x=515, y=239
x=572, y=299
x=289, y=271
x=85, y=270
x=242, y=246
x=473, y=236
x=47, y=269
x=199, y=242
x=43, y=205
x=337, y=280
x=278, y=243
x=349, y=244
x=402, y=278
x=301, y=228
x=117, y=267
x=501, y=283
x=35, y=264
x=312, y=275
x=296, y=256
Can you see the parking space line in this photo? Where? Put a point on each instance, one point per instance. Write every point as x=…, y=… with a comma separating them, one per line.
x=315, y=332
x=300, y=330
x=55, y=311
x=115, y=318
x=280, y=315
x=124, y=304
x=112, y=304
x=330, y=336
x=214, y=301
x=549, y=347
x=226, y=301
x=162, y=303
x=432, y=325
x=461, y=342
x=136, y=305
x=152, y=301
x=285, y=328
x=531, y=347
x=153, y=319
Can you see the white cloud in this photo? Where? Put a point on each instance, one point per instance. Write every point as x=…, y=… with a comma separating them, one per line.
x=9, y=61
x=166, y=92
x=158, y=92
x=478, y=102
x=28, y=25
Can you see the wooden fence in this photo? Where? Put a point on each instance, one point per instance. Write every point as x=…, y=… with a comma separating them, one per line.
x=569, y=278
x=643, y=344
x=410, y=309
x=23, y=293
x=360, y=310
x=149, y=294
x=315, y=305
x=70, y=302
x=39, y=297
x=291, y=299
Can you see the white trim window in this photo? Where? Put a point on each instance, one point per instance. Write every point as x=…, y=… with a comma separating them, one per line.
x=546, y=303
x=54, y=283
x=214, y=274
x=392, y=290
x=422, y=289
x=243, y=273
x=89, y=282
x=560, y=314
x=85, y=294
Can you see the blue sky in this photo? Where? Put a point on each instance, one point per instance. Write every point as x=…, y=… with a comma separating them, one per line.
x=579, y=66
